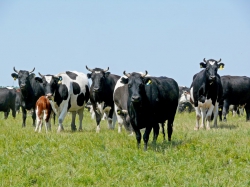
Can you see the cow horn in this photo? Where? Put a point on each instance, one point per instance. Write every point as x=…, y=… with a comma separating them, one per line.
x=15, y=70
x=219, y=60
x=126, y=74
x=144, y=74
x=204, y=60
x=40, y=74
x=32, y=70
x=106, y=70
x=91, y=70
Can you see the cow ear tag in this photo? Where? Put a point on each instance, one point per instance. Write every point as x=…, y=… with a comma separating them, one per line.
x=60, y=80
x=14, y=78
x=221, y=67
x=149, y=82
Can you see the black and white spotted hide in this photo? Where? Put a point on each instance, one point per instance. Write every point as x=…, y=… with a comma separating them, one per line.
x=68, y=92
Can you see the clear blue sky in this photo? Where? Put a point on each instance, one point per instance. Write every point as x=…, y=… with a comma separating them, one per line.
x=167, y=38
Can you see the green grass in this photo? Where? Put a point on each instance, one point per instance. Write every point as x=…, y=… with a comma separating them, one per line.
x=219, y=157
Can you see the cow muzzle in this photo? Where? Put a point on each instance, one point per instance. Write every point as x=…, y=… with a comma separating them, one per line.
x=96, y=89
x=22, y=86
x=135, y=99
x=49, y=96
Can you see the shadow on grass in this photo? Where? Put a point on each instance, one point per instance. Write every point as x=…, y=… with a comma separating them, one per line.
x=227, y=126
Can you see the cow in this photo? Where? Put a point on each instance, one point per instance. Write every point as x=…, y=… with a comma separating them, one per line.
x=43, y=110
x=236, y=91
x=151, y=100
x=31, y=91
x=206, y=92
x=120, y=102
x=185, y=101
x=7, y=101
x=101, y=90
x=69, y=92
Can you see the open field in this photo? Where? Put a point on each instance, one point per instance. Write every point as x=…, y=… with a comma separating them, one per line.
x=219, y=157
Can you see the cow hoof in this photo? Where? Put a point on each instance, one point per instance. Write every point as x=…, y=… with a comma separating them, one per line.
x=196, y=128
x=80, y=130
x=98, y=129
x=60, y=129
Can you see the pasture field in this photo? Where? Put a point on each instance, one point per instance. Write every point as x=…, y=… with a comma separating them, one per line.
x=219, y=157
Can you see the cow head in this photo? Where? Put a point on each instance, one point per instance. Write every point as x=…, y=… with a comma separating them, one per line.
x=136, y=85
x=211, y=67
x=98, y=77
x=50, y=84
x=23, y=77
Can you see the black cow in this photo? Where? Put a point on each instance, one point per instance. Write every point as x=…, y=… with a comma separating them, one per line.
x=101, y=90
x=31, y=90
x=7, y=101
x=236, y=91
x=206, y=91
x=151, y=100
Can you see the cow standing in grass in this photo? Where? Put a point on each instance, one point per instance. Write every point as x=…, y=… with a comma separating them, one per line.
x=101, y=90
x=43, y=110
x=206, y=92
x=31, y=91
x=7, y=101
x=151, y=100
x=69, y=92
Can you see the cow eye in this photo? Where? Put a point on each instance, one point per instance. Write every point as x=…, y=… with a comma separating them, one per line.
x=141, y=85
x=44, y=84
x=129, y=85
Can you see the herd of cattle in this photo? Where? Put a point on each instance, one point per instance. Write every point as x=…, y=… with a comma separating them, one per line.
x=135, y=100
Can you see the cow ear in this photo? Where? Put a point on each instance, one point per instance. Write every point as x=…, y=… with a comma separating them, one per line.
x=14, y=75
x=38, y=79
x=147, y=81
x=221, y=66
x=107, y=74
x=203, y=65
x=89, y=75
x=124, y=80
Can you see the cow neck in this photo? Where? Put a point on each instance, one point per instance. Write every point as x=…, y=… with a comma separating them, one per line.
x=28, y=92
x=57, y=97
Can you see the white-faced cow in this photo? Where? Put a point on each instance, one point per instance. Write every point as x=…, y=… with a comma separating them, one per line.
x=7, y=101
x=69, y=91
x=151, y=100
x=206, y=92
x=101, y=90
x=236, y=91
x=31, y=90
x=121, y=109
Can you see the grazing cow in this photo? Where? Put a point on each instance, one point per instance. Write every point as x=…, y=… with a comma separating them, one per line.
x=236, y=91
x=151, y=100
x=31, y=90
x=206, y=91
x=120, y=102
x=43, y=110
x=69, y=91
x=101, y=90
x=7, y=101
x=185, y=101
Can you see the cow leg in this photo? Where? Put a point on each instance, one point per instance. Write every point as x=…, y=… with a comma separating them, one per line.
x=62, y=115
x=34, y=117
x=170, y=127
x=163, y=131
x=110, y=120
x=225, y=110
x=203, y=117
x=198, y=117
x=138, y=136
x=73, y=125
x=24, y=112
x=6, y=114
x=47, y=117
x=98, y=119
x=156, y=129
x=215, y=112
x=247, y=108
x=13, y=111
x=208, y=116
x=114, y=119
x=146, y=137
x=80, y=114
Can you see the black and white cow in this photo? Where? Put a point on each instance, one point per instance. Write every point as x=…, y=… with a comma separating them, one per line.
x=121, y=109
x=31, y=91
x=236, y=91
x=151, y=100
x=101, y=90
x=206, y=92
x=185, y=101
x=7, y=101
x=69, y=91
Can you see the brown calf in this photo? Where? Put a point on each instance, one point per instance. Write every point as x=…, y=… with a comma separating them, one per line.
x=43, y=109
